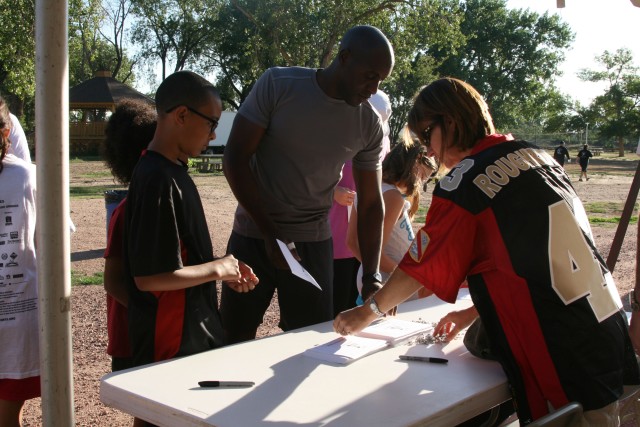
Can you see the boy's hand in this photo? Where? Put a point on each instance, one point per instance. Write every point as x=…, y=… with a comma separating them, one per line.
x=228, y=268
x=247, y=282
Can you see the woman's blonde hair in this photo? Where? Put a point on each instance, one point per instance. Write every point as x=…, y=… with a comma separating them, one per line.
x=450, y=99
x=402, y=166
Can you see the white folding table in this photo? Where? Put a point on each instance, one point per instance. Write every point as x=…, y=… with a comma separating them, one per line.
x=293, y=389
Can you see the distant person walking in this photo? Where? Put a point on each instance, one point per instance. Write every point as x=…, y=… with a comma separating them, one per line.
x=583, y=158
x=560, y=153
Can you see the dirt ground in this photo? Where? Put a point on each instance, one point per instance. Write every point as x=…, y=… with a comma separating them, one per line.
x=609, y=186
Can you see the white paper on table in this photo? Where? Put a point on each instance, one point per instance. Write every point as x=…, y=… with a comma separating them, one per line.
x=296, y=268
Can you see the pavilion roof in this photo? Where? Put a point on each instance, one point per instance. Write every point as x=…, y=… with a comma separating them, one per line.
x=102, y=91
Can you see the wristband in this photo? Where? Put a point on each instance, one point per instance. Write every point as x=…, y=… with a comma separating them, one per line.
x=369, y=278
x=373, y=305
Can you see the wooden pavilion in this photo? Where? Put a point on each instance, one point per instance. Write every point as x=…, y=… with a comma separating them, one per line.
x=91, y=104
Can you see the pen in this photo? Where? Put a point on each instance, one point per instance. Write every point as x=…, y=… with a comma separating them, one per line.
x=424, y=359
x=229, y=384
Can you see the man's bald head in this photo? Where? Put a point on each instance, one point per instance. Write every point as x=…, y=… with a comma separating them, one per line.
x=364, y=60
x=367, y=40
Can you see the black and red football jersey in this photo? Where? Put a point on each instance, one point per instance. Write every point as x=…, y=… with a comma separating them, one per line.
x=166, y=230
x=508, y=220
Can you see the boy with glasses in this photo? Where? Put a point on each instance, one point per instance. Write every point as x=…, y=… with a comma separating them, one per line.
x=169, y=262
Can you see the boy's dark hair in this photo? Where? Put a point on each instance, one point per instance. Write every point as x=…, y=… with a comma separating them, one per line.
x=129, y=131
x=183, y=88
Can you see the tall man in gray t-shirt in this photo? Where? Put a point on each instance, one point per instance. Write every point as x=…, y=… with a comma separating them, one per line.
x=283, y=159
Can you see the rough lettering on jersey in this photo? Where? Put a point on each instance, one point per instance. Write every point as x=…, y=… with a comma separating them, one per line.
x=419, y=246
x=499, y=173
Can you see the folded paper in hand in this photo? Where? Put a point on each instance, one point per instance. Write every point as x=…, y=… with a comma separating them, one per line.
x=379, y=335
x=296, y=268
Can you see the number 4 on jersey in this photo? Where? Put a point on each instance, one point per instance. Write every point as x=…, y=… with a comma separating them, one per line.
x=575, y=271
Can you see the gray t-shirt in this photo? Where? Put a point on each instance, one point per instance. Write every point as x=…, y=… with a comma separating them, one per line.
x=308, y=138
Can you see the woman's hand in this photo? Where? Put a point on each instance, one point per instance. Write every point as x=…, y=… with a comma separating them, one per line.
x=353, y=321
x=451, y=324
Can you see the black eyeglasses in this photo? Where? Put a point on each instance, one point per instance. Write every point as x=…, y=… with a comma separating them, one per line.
x=214, y=122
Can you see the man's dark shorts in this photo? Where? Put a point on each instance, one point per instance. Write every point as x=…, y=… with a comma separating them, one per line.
x=301, y=303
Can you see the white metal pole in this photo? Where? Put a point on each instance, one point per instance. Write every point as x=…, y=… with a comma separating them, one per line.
x=52, y=160
x=586, y=135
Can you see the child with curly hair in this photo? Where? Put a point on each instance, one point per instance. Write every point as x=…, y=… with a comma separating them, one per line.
x=129, y=131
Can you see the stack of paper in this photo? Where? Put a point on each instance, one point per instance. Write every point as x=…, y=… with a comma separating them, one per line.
x=345, y=350
x=394, y=330
x=377, y=336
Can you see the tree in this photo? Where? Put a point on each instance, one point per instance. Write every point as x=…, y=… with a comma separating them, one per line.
x=415, y=42
x=616, y=110
x=510, y=56
x=89, y=50
x=174, y=31
x=117, y=13
x=17, y=52
x=254, y=36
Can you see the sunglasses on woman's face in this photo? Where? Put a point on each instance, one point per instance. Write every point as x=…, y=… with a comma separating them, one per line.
x=426, y=134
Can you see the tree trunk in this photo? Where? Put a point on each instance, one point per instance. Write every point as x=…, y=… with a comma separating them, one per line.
x=16, y=105
x=620, y=146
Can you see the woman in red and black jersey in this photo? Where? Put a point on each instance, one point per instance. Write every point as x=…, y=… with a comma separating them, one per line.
x=506, y=218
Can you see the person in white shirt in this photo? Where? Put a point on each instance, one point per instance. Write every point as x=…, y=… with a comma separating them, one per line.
x=19, y=347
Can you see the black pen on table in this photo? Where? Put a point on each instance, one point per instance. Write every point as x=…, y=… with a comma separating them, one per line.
x=226, y=384
x=424, y=359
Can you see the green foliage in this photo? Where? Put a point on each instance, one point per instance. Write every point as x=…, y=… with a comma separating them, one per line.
x=91, y=191
x=511, y=57
x=174, y=31
x=17, y=48
x=610, y=208
x=89, y=49
x=615, y=113
x=417, y=46
x=81, y=279
x=610, y=220
x=253, y=36
x=421, y=215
